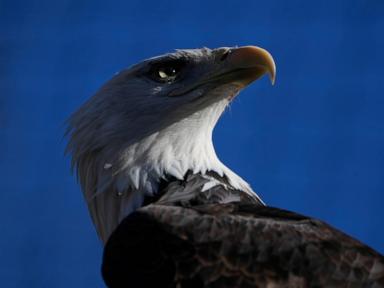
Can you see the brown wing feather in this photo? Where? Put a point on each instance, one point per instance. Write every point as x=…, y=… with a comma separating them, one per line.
x=235, y=245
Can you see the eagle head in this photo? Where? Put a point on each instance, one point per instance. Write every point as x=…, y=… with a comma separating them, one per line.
x=155, y=120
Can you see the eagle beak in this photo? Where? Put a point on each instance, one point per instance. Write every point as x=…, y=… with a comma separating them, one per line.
x=250, y=63
x=241, y=66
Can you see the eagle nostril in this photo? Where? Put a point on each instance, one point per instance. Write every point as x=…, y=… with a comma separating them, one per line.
x=225, y=54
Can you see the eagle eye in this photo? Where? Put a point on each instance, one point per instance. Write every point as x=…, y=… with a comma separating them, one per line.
x=166, y=72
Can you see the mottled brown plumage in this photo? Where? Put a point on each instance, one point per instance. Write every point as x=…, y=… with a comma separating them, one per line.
x=205, y=243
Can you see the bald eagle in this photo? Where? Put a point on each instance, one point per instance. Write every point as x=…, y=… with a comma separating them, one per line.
x=169, y=212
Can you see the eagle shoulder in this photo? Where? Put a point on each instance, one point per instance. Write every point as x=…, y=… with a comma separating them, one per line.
x=235, y=245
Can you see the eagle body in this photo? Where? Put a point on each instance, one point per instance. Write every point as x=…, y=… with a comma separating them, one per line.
x=169, y=212
x=224, y=238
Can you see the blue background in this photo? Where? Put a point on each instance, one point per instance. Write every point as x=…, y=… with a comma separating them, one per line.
x=313, y=143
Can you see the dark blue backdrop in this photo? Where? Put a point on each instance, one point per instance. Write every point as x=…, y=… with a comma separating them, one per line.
x=313, y=143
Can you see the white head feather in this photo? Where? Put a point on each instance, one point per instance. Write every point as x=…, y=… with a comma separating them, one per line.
x=139, y=129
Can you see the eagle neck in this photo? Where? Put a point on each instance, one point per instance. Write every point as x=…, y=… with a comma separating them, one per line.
x=184, y=146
